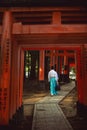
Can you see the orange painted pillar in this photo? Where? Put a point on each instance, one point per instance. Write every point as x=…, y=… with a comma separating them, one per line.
x=61, y=73
x=56, y=19
x=52, y=58
x=21, y=77
x=61, y=64
x=65, y=65
x=56, y=60
x=82, y=81
x=79, y=76
x=66, y=70
x=41, y=69
x=5, y=68
x=13, y=94
x=18, y=77
x=16, y=81
x=41, y=65
x=84, y=66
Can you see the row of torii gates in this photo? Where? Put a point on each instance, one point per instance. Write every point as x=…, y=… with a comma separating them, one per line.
x=16, y=37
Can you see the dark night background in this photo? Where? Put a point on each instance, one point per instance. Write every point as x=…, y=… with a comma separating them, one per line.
x=4, y=3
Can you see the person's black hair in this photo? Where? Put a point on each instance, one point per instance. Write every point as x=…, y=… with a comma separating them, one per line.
x=52, y=67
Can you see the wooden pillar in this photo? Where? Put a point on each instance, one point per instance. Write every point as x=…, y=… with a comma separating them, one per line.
x=41, y=69
x=41, y=65
x=61, y=73
x=84, y=66
x=13, y=95
x=5, y=68
x=52, y=58
x=21, y=76
x=61, y=64
x=56, y=60
x=82, y=81
x=33, y=65
x=56, y=19
x=15, y=85
x=79, y=76
x=18, y=77
x=16, y=81
x=65, y=64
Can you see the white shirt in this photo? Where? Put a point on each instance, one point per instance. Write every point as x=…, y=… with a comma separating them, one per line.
x=52, y=73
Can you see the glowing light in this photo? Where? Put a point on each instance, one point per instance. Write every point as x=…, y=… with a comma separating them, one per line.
x=40, y=69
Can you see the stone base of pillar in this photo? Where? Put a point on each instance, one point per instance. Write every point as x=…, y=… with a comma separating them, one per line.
x=42, y=85
x=81, y=109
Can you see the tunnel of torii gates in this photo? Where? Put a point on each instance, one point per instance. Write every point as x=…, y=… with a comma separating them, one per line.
x=52, y=33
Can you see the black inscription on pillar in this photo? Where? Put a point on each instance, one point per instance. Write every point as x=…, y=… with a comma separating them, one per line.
x=3, y=98
x=7, y=50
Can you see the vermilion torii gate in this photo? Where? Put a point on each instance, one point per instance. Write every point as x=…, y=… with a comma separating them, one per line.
x=17, y=35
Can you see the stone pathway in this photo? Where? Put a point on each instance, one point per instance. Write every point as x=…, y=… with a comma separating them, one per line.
x=47, y=113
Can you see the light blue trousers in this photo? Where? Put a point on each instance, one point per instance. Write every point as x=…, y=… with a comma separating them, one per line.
x=53, y=86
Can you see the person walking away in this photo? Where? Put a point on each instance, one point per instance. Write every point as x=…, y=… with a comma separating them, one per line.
x=53, y=79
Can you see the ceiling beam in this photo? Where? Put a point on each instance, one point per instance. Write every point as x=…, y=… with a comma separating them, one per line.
x=18, y=28
x=41, y=9
x=49, y=29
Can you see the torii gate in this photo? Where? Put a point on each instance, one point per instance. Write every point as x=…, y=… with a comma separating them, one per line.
x=12, y=57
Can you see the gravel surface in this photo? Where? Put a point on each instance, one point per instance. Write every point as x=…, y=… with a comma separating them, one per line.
x=68, y=106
